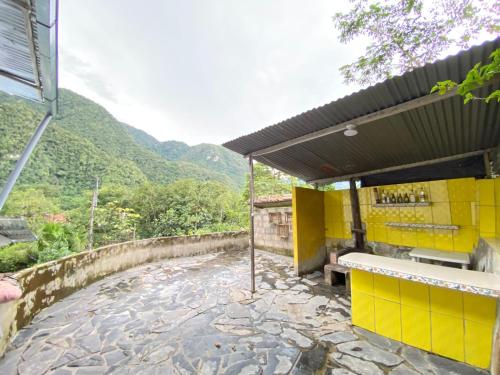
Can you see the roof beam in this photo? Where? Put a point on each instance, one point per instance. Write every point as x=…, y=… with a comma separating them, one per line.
x=362, y=120
x=329, y=180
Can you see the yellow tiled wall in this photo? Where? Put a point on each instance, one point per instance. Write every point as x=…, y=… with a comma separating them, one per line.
x=451, y=323
x=473, y=205
x=338, y=214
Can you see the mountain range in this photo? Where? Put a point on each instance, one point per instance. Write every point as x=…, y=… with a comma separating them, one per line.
x=85, y=141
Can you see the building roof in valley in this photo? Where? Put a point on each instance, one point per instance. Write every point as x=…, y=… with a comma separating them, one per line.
x=282, y=200
x=399, y=124
x=14, y=230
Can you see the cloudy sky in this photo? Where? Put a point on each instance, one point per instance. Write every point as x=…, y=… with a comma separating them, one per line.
x=203, y=71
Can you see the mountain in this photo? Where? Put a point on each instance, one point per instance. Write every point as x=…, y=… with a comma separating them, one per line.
x=208, y=156
x=85, y=141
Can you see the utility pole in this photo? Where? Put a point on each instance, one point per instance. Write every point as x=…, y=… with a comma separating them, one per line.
x=92, y=211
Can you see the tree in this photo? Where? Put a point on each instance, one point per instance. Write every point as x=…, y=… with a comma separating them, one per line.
x=268, y=181
x=476, y=77
x=405, y=34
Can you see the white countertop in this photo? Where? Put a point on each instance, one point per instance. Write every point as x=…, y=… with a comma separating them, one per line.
x=444, y=256
x=483, y=283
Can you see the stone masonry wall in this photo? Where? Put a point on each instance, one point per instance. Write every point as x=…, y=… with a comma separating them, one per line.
x=44, y=284
x=266, y=233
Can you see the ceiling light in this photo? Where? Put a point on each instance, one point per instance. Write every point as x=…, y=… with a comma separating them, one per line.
x=350, y=130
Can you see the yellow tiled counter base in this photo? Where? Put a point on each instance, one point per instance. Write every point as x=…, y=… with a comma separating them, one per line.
x=450, y=323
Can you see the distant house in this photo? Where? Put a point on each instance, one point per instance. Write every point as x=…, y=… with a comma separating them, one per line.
x=273, y=224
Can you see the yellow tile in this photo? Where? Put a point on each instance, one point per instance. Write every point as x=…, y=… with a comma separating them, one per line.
x=363, y=310
x=362, y=281
x=497, y=191
x=394, y=236
x=443, y=239
x=462, y=190
x=425, y=238
x=478, y=343
x=487, y=222
x=441, y=213
x=346, y=197
x=423, y=215
x=497, y=219
x=446, y=301
x=338, y=230
x=409, y=237
x=363, y=208
x=438, y=191
x=414, y=294
x=380, y=232
x=386, y=287
x=364, y=195
x=407, y=214
x=347, y=213
x=416, y=327
x=463, y=239
x=479, y=309
x=486, y=192
x=388, y=319
x=370, y=231
x=447, y=336
x=392, y=214
x=461, y=213
x=347, y=230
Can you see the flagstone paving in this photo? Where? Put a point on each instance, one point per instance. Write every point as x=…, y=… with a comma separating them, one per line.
x=196, y=316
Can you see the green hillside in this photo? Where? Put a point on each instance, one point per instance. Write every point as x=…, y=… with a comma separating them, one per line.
x=86, y=141
x=211, y=157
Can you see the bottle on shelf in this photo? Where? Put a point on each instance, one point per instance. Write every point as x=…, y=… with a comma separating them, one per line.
x=393, y=198
x=377, y=197
x=406, y=198
x=412, y=197
x=421, y=196
x=384, y=197
x=400, y=198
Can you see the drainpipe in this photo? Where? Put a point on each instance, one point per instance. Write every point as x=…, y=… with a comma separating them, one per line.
x=356, y=216
x=252, y=235
x=11, y=180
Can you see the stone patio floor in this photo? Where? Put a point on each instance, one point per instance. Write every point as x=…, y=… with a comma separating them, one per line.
x=196, y=316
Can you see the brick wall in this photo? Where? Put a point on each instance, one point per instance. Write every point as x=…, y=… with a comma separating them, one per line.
x=266, y=233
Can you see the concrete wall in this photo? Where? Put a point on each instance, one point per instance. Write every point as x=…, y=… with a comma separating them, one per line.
x=266, y=233
x=47, y=283
x=309, y=251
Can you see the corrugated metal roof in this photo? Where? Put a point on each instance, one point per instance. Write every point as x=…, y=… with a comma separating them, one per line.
x=28, y=49
x=437, y=130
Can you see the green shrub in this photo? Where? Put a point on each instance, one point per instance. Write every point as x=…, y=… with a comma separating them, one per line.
x=16, y=257
x=56, y=241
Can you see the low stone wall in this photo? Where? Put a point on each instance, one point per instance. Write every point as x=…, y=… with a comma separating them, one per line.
x=47, y=283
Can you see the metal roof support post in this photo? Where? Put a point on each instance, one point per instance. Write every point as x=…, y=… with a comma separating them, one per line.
x=252, y=234
x=11, y=180
x=356, y=216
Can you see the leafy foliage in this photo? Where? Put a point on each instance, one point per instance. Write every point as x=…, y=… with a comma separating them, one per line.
x=85, y=141
x=405, y=34
x=475, y=78
x=56, y=241
x=16, y=257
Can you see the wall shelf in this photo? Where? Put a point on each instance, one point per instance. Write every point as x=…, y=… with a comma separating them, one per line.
x=417, y=204
x=422, y=226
